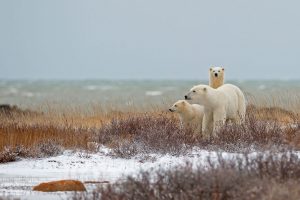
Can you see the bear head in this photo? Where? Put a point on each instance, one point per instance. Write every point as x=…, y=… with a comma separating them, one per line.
x=179, y=106
x=216, y=72
x=198, y=94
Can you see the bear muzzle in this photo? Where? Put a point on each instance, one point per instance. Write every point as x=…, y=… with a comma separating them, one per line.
x=186, y=97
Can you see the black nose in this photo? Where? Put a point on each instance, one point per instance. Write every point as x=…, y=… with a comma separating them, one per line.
x=216, y=74
x=185, y=97
x=170, y=110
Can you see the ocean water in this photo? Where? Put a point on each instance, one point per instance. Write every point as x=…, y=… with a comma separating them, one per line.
x=62, y=94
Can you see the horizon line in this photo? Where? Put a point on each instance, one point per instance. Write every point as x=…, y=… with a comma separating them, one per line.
x=142, y=79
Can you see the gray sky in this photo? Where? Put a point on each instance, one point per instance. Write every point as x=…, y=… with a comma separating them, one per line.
x=173, y=39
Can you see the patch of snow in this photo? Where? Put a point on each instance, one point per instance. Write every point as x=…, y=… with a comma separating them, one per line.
x=17, y=178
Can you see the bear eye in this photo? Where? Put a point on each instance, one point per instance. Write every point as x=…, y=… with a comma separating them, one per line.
x=194, y=90
x=219, y=71
x=175, y=105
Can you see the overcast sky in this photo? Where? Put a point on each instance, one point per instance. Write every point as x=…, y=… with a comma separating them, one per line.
x=153, y=39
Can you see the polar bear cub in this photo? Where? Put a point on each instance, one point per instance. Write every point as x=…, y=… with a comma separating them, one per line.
x=191, y=115
x=216, y=76
x=224, y=103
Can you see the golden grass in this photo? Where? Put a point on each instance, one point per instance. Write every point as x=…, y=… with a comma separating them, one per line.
x=273, y=114
x=75, y=128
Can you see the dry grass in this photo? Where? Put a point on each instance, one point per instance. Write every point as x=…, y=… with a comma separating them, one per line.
x=23, y=134
x=264, y=177
x=273, y=114
x=285, y=99
x=147, y=133
x=128, y=133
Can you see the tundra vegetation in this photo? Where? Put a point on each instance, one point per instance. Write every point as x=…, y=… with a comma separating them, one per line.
x=130, y=132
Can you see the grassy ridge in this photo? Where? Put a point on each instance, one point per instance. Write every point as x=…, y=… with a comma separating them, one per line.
x=130, y=133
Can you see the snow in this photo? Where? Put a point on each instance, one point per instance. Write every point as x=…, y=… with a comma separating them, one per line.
x=18, y=178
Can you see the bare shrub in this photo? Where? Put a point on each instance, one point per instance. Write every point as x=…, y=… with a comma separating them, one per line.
x=145, y=134
x=148, y=133
x=43, y=149
x=252, y=133
x=49, y=148
x=241, y=178
x=8, y=155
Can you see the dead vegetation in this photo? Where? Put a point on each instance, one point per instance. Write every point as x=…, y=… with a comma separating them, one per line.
x=273, y=114
x=131, y=133
x=263, y=177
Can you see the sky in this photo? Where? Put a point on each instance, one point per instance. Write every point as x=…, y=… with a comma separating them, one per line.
x=153, y=39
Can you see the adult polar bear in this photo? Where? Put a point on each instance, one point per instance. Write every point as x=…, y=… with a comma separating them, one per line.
x=216, y=76
x=227, y=102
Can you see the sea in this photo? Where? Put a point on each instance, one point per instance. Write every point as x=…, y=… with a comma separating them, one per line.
x=63, y=94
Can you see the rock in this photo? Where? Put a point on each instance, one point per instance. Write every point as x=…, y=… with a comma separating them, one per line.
x=6, y=108
x=62, y=185
x=13, y=110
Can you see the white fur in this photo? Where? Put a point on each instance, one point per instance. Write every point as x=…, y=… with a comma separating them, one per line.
x=216, y=77
x=190, y=114
x=224, y=103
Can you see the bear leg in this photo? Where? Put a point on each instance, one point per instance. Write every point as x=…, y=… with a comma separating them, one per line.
x=219, y=119
x=206, y=125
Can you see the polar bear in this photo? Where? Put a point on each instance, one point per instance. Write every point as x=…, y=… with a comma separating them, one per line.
x=191, y=115
x=216, y=76
x=224, y=103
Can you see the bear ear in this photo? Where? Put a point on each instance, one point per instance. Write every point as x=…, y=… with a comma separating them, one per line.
x=223, y=69
x=183, y=102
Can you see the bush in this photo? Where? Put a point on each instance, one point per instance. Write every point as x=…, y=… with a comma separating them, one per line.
x=144, y=134
x=133, y=134
x=264, y=177
x=8, y=155
x=49, y=148
x=44, y=149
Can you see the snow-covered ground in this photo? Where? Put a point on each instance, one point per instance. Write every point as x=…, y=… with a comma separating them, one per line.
x=18, y=178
